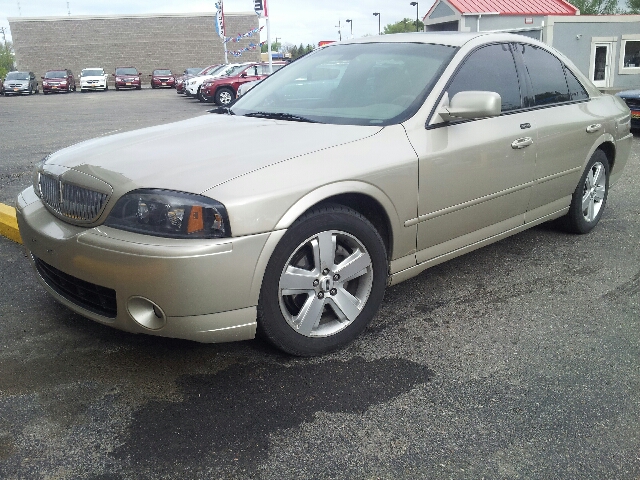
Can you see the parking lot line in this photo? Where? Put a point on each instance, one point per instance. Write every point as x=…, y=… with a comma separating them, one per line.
x=9, y=224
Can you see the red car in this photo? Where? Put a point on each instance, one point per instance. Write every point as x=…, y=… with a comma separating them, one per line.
x=61, y=80
x=187, y=74
x=127, y=77
x=162, y=78
x=223, y=90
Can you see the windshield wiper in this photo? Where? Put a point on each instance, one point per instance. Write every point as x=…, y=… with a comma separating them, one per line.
x=280, y=116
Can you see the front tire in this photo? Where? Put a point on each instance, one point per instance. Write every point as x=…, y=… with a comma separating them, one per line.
x=590, y=196
x=224, y=97
x=324, y=282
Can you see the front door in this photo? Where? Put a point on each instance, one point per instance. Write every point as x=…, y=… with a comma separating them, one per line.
x=601, y=64
x=476, y=176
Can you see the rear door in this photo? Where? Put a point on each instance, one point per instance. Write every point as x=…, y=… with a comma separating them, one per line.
x=568, y=124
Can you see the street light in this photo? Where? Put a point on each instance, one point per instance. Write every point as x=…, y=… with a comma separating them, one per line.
x=377, y=14
x=415, y=4
x=350, y=22
x=339, y=31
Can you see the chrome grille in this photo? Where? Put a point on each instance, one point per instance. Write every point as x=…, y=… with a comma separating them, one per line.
x=71, y=201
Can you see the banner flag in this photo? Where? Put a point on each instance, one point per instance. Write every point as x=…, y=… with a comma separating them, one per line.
x=260, y=6
x=220, y=30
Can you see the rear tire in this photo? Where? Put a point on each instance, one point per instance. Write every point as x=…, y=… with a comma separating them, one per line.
x=590, y=196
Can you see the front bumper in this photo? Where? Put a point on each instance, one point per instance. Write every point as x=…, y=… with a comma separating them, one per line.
x=93, y=86
x=8, y=90
x=203, y=290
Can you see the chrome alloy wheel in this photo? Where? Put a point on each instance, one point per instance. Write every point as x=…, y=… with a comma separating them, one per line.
x=593, y=192
x=225, y=97
x=325, y=284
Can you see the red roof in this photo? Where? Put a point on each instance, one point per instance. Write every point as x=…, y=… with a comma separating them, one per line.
x=514, y=7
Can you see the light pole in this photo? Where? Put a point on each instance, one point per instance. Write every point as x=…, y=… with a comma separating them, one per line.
x=350, y=22
x=339, y=31
x=415, y=4
x=377, y=14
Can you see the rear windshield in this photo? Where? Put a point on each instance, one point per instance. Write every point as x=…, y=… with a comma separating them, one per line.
x=193, y=71
x=126, y=71
x=162, y=72
x=92, y=73
x=55, y=74
x=17, y=76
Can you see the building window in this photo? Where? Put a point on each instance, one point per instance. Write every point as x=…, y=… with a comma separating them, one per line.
x=630, y=55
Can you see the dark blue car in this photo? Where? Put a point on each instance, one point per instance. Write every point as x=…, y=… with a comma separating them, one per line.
x=632, y=99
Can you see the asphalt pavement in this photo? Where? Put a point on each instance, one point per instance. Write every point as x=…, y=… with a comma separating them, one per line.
x=520, y=360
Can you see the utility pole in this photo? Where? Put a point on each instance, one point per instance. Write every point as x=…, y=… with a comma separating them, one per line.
x=339, y=31
x=68, y=9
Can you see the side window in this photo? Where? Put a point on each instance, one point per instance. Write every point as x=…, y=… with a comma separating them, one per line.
x=490, y=69
x=576, y=90
x=547, y=76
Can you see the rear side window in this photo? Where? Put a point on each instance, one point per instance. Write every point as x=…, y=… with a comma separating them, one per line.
x=547, y=76
x=576, y=90
x=492, y=69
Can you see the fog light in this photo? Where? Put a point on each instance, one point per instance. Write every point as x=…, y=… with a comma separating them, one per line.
x=146, y=313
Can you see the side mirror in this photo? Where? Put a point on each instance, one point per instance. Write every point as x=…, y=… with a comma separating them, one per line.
x=42, y=78
x=244, y=74
x=472, y=104
x=113, y=74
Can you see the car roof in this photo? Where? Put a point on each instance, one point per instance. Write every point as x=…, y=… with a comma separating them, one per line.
x=453, y=39
x=93, y=68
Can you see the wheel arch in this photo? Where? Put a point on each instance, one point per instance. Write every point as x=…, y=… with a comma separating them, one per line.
x=364, y=198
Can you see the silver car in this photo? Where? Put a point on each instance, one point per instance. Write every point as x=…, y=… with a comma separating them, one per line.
x=394, y=154
x=18, y=83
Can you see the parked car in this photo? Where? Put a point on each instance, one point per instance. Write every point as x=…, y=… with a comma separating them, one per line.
x=245, y=87
x=18, y=83
x=429, y=146
x=162, y=78
x=61, y=80
x=93, y=79
x=632, y=99
x=223, y=89
x=192, y=86
x=127, y=77
x=188, y=73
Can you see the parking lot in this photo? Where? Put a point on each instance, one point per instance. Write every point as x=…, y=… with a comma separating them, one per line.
x=518, y=360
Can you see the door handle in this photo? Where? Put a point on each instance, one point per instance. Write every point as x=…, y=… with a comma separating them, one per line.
x=594, y=128
x=522, y=142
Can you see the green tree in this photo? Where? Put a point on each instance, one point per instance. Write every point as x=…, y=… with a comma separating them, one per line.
x=7, y=59
x=633, y=6
x=275, y=47
x=597, y=7
x=404, y=25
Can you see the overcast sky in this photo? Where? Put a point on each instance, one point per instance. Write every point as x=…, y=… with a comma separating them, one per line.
x=294, y=21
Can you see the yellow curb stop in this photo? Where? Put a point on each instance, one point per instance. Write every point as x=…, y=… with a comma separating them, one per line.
x=9, y=224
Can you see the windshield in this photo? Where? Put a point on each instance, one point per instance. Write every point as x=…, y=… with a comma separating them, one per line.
x=17, y=76
x=193, y=71
x=126, y=71
x=162, y=72
x=92, y=73
x=231, y=70
x=211, y=69
x=56, y=74
x=360, y=84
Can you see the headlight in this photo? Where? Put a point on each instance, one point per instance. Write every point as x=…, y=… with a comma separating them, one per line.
x=165, y=213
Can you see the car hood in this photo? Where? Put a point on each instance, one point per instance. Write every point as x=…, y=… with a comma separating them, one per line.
x=198, y=154
x=92, y=77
